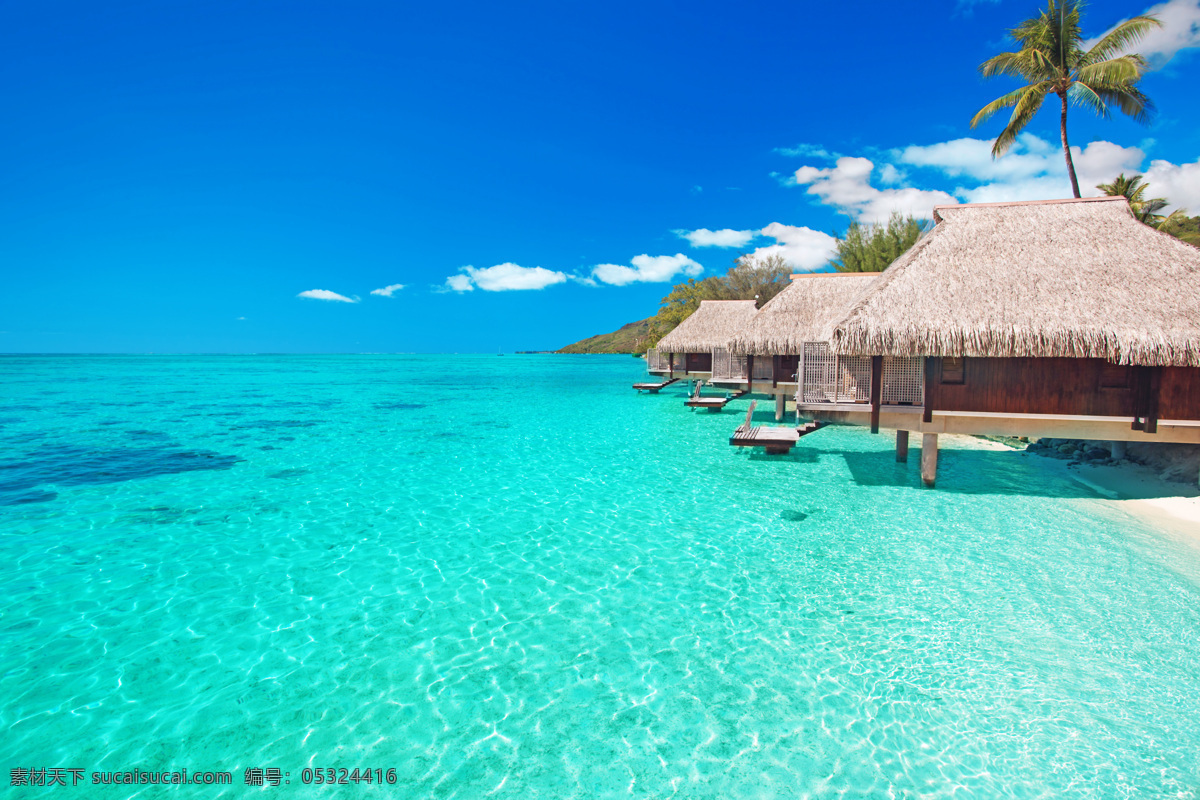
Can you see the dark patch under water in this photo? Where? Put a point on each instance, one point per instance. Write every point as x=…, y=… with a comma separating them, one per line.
x=21, y=498
x=272, y=424
x=399, y=406
x=144, y=434
x=288, y=473
x=67, y=465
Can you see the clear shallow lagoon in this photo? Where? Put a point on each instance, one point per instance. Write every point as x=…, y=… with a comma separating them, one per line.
x=516, y=576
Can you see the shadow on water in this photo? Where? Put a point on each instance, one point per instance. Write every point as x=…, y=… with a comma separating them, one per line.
x=961, y=471
x=65, y=465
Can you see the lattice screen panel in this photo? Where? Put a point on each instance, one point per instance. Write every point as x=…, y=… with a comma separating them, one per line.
x=854, y=379
x=728, y=366
x=820, y=374
x=903, y=381
x=847, y=379
x=656, y=360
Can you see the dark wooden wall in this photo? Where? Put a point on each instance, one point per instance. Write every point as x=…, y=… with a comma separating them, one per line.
x=1063, y=386
x=1179, y=396
x=699, y=362
x=786, y=368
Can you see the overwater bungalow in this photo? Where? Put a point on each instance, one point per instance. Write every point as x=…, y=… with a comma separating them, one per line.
x=687, y=351
x=767, y=355
x=1063, y=318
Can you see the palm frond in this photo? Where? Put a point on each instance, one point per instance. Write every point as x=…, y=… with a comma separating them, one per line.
x=1130, y=100
x=1000, y=103
x=1027, y=105
x=1177, y=215
x=1083, y=95
x=1113, y=72
x=1118, y=40
x=1022, y=64
x=1131, y=188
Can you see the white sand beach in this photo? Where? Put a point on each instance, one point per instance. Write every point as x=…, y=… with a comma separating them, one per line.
x=1141, y=491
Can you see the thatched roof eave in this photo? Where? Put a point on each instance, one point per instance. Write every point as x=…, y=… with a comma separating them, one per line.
x=1054, y=279
x=710, y=326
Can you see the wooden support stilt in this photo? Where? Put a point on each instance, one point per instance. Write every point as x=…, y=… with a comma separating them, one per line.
x=1152, y=400
x=1117, y=450
x=876, y=390
x=931, y=373
x=780, y=400
x=929, y=455
x=902, y=447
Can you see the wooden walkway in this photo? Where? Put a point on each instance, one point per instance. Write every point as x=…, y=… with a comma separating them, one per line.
x=713, y=403
x=776, y=441
x=653, y=388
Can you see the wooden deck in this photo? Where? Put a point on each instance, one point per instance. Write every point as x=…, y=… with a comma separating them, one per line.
x=713, y=403
x=776, y=441
x=653, y=388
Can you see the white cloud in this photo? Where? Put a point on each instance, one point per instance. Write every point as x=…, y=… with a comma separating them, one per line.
x=325, y=294
x=847, y=186
x=967, y=6
x=507, y=277
x=1180, y=30
x=388, y=291
x=726, y=237
x=973, y=157
x=458, y=283
x=802, y=248
x=806, y=150
x=647, y=269
x=1180, y=184
x=1033, y=170
x=890, y=175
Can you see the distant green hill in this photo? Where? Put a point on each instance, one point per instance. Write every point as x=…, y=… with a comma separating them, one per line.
x=626, y=339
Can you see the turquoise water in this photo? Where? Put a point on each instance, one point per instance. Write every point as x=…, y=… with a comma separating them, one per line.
x=515, y=577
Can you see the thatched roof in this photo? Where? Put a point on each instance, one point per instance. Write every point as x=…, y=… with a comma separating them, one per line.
x=803, y=312
x=1058, y=278
x=711, y=325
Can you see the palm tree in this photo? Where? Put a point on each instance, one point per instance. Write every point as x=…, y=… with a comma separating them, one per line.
x=1133, y=188
x=1051, y=60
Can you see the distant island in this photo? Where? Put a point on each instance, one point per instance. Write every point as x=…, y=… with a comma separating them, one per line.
x=628, y=338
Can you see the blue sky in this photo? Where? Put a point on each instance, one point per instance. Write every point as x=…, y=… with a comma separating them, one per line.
x=178, y=175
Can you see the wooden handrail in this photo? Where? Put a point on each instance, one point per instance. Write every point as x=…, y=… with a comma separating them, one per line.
x=749, y=415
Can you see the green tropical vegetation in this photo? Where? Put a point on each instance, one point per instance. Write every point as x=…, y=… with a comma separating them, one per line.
x=630, y=338
x=1134, y=189
x=1051, y=60
x=864, y=248
x=751, y=278
x=1183, y=227
x=871, y=248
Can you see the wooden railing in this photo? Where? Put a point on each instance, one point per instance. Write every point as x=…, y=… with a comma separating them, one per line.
x=727, y=366
x=656, y=361
x=825, y=377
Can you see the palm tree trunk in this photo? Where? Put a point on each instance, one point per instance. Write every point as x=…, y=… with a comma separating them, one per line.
x=1067, y=147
